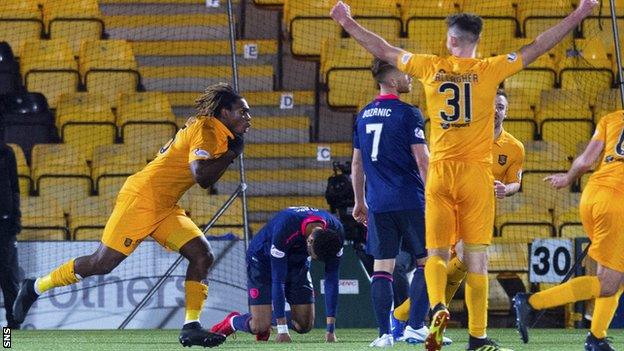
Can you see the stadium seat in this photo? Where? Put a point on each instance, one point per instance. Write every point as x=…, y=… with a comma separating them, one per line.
x=271, y=182
x=74, y=21
x=572, y=135
x=431, y=31
x=537, y=15
x=524, y=225
x=538, y=192
x=203, y=207
x=524, y=130
x=606, y=102
x=545, y=156
x=270, y=204
x=27, y=119
x=86, y=121
x=115, y=161
x=308, y=24
x=557, y=104
x=269, y=2
x=499, y=19
x=9, y=70
x=108, y=67
x=60, y=171
x=507, y=256
x=88, y=216
x=525, y=88
x=569, y=224
x=427, y=9
x=145, y=119
x=345, y=84
x=42, y=219
x=20, y=21
x=600, y=28
x=23, y=171
x=109, y=187
x=341, y=53
x=48, y=67
x=380, y=16
x=584, y=179
x=298, y=150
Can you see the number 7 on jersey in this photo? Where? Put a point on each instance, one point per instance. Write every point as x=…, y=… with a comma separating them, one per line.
x=375, y=128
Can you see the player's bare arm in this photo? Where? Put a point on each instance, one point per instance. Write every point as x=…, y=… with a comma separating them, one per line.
x=207, y=172
x=421, y=155
x=580, y=166
x=548, y=39
x=372, y=42
x=360, y=211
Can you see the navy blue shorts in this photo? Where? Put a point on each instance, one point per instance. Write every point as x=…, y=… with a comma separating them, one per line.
x=390, y=232
x=298, y=290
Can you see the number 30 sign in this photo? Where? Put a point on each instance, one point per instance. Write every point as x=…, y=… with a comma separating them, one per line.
x=551, y=259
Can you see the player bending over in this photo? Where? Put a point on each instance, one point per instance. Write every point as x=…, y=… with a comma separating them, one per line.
x=460, y=202
x=147, y=206
x=602, y=210
x=390, y=160
x=278, y=270
x=508, y=157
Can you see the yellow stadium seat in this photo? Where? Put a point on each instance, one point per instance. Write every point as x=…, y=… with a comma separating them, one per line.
x=116, y=161
x=74, y=21
x=42, y=219
x=380, y=16
x=345, y=84
x=525, y=224
x=20, y=21
x=524, y=88
x=584, y=179
x=275, y=203
x=534, y=11
x=108, y=67
x=538, y=192
x=48, y=66
x=88, y=216
x=540, y=151
x=587, y=53
x=600, y=28
x=86, y=120
x=269, y=2
x=61, y=171
x=569, y=224
x=203, y=207
x=23, y=171
x=109, y=186
x=556, y=104
x=428, y=30
x=341, y=53
x=505, y=256
x=502, y=8
x=591, y=82
x=523, y=129
x=427, y=9
x=572, y=135
x=308, y=24
x=145, y=119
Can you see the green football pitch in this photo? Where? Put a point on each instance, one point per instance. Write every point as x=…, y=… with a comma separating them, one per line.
x=349, y=339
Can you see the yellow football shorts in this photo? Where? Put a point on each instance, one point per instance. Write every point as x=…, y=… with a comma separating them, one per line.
x=133, y=219
x=602, y=211
x=460, y=203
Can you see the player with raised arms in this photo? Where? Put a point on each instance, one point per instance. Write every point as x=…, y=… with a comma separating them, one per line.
x=278, y=270
x=389, y=168
x=601, y=209
x=508, y=156
x=199, y=153
x=460, y=202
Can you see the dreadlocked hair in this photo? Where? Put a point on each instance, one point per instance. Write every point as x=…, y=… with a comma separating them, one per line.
x=215, y=98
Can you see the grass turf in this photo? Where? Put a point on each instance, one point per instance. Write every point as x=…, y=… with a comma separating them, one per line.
x=349, y=339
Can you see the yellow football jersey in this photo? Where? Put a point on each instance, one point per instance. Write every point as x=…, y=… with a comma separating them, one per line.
x=507, y=157
x=610, y=173
x=460, y=95
x=164, y=180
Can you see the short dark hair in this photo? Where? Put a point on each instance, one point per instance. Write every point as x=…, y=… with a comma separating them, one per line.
x=215, y=98
x=501, y=92
x=327, y=244
x=380, y=69
x=467, y=23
